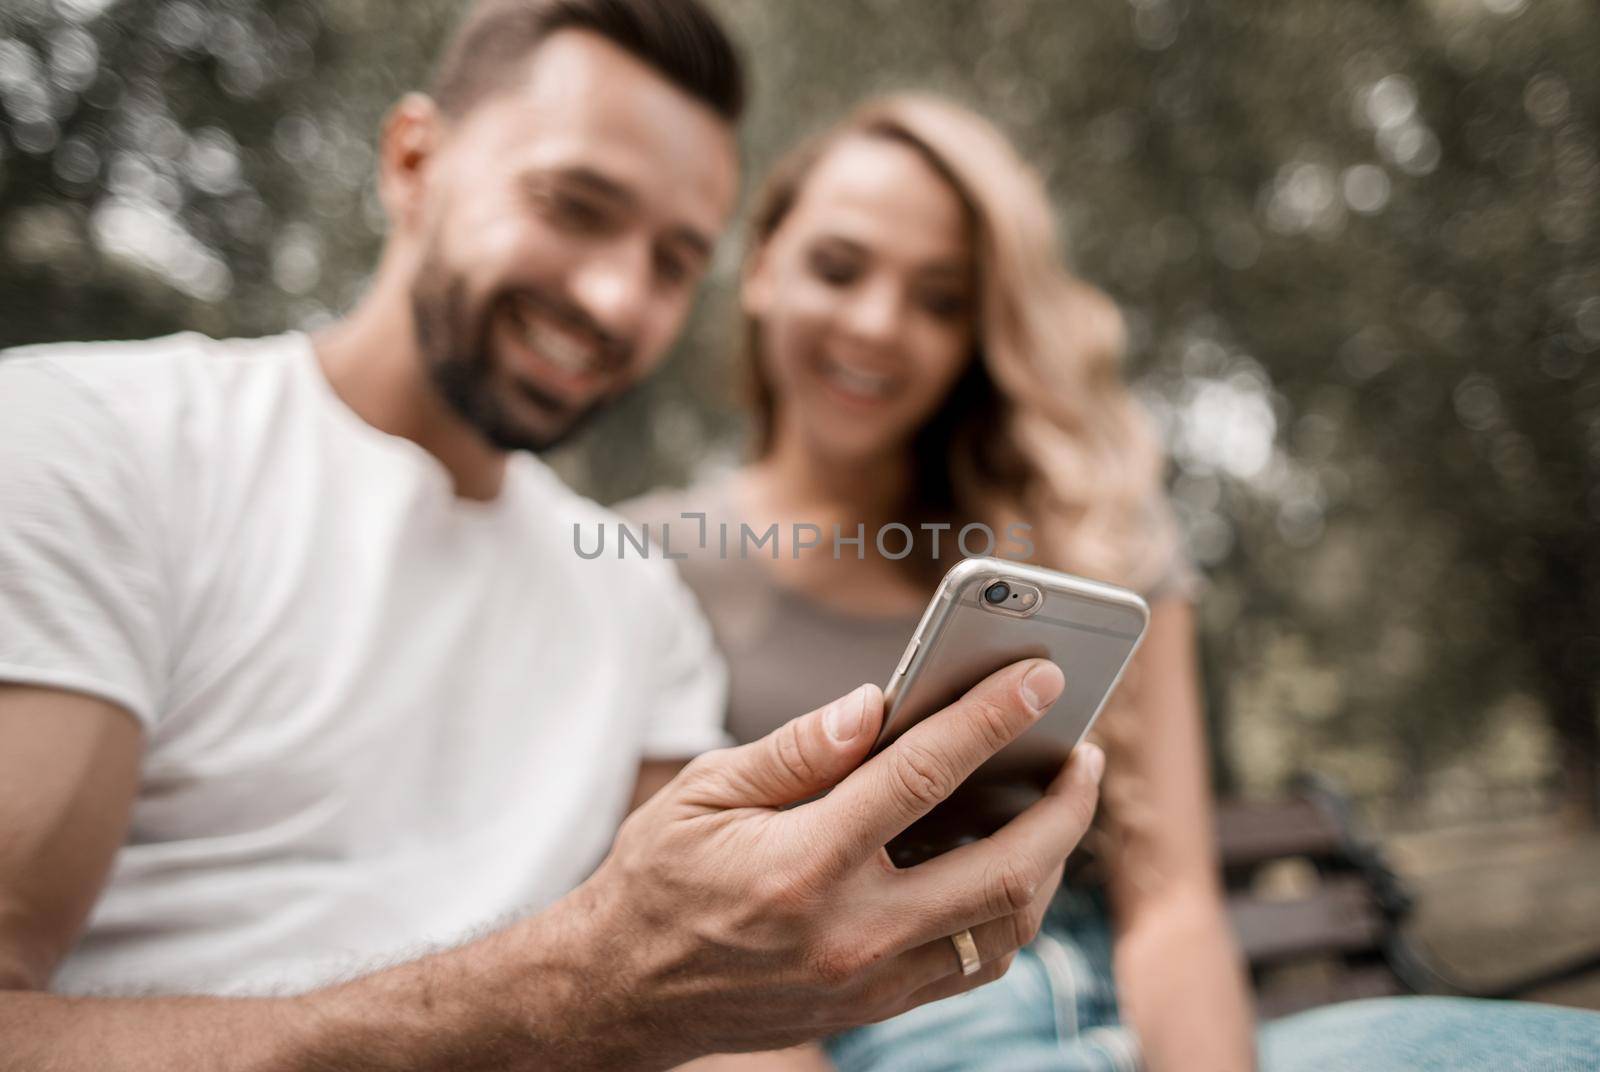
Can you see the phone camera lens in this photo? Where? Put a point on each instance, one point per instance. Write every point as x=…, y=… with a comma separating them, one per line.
x=997, y=593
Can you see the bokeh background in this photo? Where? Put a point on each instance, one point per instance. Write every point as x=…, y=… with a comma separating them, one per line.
x=1357, y=242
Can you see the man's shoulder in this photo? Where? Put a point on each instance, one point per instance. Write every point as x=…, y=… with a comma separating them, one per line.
x=130, y=374
x=546, y=495
x=591, y=535
x=697, y=528
x=174, y=351
x=687, y=520
x=154, y=389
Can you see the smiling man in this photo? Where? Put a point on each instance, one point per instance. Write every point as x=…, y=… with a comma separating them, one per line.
x=299, y=676
x=546, y=246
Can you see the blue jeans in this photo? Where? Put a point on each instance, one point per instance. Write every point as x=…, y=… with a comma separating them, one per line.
x=1056, y=1010
x=1433, y=1035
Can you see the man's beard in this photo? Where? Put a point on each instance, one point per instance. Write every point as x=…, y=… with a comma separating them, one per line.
x=454, y=343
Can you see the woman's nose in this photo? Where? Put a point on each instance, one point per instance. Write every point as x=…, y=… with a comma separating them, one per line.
x=875, y=313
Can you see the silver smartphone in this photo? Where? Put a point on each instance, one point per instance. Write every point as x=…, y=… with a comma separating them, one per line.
x=988, y=613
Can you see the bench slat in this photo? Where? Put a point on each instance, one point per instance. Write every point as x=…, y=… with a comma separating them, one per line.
x=1250, y=833
x=1339, y=916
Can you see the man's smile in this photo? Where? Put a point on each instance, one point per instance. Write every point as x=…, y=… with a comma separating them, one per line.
x=561, y=362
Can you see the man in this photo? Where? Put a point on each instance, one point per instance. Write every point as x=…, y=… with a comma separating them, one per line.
x=299, y=675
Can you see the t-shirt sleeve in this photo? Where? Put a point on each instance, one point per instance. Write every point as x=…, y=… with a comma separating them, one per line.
x=81, y=603
x=688, y=680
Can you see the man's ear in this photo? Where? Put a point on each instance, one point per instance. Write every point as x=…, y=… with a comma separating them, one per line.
x=407, y=146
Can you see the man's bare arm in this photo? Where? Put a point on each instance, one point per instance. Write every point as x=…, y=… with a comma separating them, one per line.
x=514, y=1000
x=69, y=768
x=724, y=920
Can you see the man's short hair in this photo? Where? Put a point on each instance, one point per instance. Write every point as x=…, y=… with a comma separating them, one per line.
x=679, y=38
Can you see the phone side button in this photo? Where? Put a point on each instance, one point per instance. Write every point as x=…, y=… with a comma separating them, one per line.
x=905, y=660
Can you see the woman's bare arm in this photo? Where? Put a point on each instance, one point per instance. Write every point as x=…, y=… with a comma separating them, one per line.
x=654, y=774
x=1179, y=973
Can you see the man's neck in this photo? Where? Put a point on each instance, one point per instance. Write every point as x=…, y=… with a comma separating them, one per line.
x=371, y=361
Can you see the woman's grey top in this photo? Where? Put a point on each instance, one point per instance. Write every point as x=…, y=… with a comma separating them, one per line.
x=786, y=653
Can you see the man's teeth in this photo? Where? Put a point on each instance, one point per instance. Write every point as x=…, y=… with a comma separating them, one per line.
x=868, y=384
x=560, y=349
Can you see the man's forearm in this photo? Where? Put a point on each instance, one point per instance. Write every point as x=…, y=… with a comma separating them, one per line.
x=522, y=998
x=1182, y=988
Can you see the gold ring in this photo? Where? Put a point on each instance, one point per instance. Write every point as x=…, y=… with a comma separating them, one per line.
x=967, y=950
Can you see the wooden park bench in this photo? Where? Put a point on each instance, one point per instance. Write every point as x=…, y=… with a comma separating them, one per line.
x=1320, y=914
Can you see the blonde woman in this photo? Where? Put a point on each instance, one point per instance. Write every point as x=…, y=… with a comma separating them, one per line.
x=919, y=355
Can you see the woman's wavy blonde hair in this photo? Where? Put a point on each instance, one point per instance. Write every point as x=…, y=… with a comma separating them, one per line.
x=1041, y=428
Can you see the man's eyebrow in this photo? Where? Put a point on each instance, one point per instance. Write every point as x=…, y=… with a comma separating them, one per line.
x=596, y=183
x=699, y=243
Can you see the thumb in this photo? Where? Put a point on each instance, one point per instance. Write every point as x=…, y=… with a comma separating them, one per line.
x=800, y=759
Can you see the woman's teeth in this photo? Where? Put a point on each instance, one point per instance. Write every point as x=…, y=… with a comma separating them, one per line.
x=857, y=381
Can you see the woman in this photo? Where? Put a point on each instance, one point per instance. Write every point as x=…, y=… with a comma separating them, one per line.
x=920, y=355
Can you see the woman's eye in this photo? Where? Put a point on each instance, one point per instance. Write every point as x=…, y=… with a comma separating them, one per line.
x=945, y=306
x=832, y=268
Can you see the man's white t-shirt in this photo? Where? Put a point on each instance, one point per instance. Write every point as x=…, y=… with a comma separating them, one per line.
x=377, y=718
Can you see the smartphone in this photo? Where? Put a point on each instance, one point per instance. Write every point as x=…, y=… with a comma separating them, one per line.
x=988, y=613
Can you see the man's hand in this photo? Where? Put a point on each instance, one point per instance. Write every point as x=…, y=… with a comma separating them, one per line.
x=733, y=922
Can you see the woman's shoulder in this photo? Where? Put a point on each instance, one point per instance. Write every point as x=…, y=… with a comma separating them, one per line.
x=689, y=526
x=683, y=520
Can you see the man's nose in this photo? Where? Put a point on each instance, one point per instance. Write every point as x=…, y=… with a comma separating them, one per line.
x=612, y=286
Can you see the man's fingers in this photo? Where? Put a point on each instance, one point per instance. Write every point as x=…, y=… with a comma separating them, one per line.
x=1002, y=874
x=951, y=985
x=935, y=960
x=803, y=757
x=925, y=765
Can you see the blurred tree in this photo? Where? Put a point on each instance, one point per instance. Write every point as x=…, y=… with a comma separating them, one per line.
x=1423, y=293
x=1356, y=243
